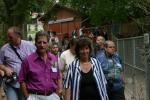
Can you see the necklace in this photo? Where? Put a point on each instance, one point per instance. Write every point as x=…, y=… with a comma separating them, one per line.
x=85, y=66
x=85, y=62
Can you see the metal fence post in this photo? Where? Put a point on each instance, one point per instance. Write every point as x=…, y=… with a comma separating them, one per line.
x=133, y=72
x=147, y=67
x=147, y=63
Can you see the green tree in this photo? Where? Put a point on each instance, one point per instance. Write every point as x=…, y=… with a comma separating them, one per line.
x=107, y=11
x=17, y=12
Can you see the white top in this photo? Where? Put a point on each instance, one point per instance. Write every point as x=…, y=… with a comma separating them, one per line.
x=65, y=59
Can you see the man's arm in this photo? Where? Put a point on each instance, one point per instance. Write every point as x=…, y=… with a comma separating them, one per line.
x=23, y=88
x=59, y=89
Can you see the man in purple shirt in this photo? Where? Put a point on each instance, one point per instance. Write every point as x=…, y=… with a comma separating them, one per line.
x=40, y=75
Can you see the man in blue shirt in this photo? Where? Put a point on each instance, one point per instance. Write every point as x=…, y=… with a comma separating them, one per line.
x=11, y=56
x=112, y=67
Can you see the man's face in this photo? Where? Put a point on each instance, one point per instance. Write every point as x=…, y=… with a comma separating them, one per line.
x=110, y=49
x=55, y=49
x=42, y=44
x=12, y=37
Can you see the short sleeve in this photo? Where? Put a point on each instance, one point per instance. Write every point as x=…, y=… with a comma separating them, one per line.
x=23, y=71
x=62, y=62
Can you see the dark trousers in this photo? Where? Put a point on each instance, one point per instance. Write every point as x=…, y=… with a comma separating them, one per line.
x=116, y=95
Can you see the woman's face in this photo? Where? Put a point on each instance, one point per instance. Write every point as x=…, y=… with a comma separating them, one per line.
x=84, y=52
x=100, y=41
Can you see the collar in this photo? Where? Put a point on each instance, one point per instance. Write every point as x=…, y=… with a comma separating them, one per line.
x=17, y=47
x=36, y=56
x=78, y=63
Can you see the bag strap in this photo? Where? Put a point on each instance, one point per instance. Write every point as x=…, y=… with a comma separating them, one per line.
x=14, y=49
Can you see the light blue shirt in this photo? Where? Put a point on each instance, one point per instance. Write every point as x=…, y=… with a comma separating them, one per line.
x=112, y=67
x=9, y=58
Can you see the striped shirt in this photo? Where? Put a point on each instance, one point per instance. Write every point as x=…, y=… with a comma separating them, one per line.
x=9, y=58
x=73, y=77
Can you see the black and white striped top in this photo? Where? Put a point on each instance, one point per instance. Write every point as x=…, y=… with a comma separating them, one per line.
x=73, y=76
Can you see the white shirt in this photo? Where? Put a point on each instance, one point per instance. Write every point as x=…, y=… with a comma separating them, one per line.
x=65, y=59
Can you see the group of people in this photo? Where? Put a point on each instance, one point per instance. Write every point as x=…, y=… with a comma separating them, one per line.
x=78, y=73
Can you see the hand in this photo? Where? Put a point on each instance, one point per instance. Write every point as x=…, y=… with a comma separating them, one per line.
x=26, y=97
x=111, y=76
x=2, y=73
x=8, y=71
x=59, y=92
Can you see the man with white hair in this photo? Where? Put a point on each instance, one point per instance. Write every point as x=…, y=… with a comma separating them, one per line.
x=11, y=56
x=112, y=68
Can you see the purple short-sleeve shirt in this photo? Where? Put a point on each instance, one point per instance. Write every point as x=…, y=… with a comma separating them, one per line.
x=39, y=75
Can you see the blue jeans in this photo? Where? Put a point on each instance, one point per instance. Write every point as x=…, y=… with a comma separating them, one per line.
x=13, y=93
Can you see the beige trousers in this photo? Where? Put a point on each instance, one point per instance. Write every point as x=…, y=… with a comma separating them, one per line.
x=53, y=96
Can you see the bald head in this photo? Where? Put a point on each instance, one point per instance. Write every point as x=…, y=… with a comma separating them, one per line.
x=14, y=35
x=15, y=30
x=109, y=47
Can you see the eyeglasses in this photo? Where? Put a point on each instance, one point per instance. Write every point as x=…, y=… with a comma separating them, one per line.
x=40, y=42
x=111, y=46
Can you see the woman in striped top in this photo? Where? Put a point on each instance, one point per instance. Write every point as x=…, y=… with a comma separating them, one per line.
x=85, y=79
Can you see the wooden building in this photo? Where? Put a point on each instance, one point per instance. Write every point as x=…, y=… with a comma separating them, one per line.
x=61, y=20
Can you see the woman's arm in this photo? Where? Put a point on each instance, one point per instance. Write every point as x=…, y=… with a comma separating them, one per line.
x=68, y=94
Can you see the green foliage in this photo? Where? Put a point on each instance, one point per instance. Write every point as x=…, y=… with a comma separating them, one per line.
x=16, y=12
x=2, y=40
x=106, y=11
x=101, y=11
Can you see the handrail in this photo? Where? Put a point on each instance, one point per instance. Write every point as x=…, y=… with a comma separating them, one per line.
x=135, y=67
x=131, y=38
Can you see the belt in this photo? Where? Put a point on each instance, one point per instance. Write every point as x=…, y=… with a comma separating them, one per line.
x=47, y=93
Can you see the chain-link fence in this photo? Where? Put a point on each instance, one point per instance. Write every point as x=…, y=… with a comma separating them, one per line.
x=131, y=50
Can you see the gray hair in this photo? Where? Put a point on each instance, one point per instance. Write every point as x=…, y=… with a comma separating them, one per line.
x=41, y=33
x=16, y=30
x=107, y=43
